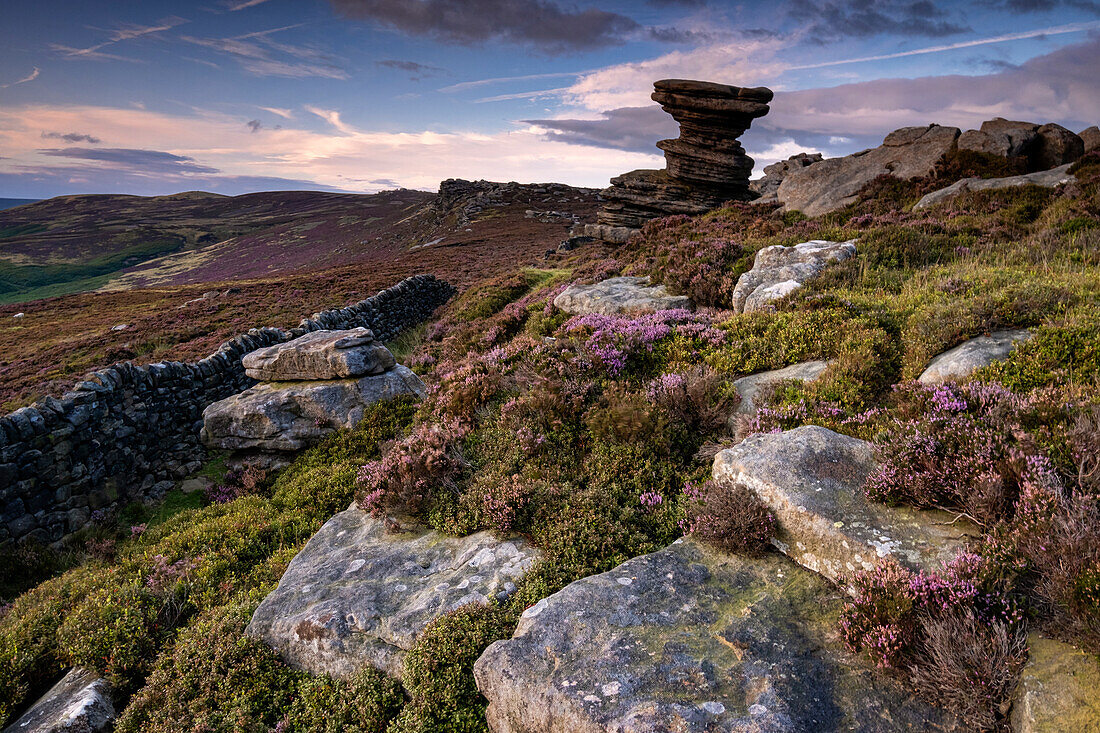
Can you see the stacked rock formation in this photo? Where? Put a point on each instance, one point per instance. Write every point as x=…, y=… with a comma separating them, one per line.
x=706, y=165
x=310, y=386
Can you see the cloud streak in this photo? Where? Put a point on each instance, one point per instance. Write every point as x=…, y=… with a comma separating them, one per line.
x=117, y=35
x=259, y=54
x=28, y=78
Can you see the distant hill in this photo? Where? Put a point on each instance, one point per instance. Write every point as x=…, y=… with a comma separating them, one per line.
x=12, y=203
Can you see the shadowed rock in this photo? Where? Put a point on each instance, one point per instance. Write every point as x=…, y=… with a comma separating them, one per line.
x=320, y=355
x=1059, y=689
x=619, y=295
x=969, y=356
x=79, y=703
x=356, y=595
x=778, y=270
x=1090, y=136
x=1046, y=179
x=812, y=480
x=690, y=640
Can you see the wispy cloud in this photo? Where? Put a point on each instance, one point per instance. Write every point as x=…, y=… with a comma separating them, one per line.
x=29, y=77
x=258, y=53
x=416, y=71
x=287, y=114
x=332, y=117
x=117, y=35
x=461, y=86
x=242, y=4
x=525, y=95
x=72, y=137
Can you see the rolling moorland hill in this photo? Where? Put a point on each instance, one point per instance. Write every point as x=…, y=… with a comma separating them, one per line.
x=304, y=253
x=590, y=437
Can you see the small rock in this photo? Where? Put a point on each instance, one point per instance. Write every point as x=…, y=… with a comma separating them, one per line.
x=356, y=595
x=1059, y=689
x=1047, y=179
x=79, y=703
x=320, y=355
x=969, y=356
x=812, y=480
x=196, y=483
x=619, y=295
x=777, y=271
x=120, y=327
x=20, y=315
x=748, y=387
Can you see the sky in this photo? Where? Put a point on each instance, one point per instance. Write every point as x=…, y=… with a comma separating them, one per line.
x=232, y=96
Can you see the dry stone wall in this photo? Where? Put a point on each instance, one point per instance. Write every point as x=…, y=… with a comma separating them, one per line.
x=128, y=432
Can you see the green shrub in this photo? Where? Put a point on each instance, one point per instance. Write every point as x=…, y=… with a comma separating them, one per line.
x=1054, y=355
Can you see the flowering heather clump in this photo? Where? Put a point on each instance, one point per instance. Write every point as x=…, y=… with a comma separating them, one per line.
x=700, y=399
x=729, y=517
x=614, y=340
x=238, y=482
x=429, y=459
x=164, y=576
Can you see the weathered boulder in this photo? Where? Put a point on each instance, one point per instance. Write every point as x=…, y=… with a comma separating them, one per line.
x=79, y=703
x=767, y=186
x=1059, y=689
x=619, y=295
x=356, y=595
x=778, y=270
x=1001, y=137
x=911, y=152
x=749, y=387
x=290, y=416
x=320, y=355
x=705, y=166
x=1047, y=179
x=812, y=480
x=1057, y=146
x=1090, y=137
x=689, y=640
x=972, y=355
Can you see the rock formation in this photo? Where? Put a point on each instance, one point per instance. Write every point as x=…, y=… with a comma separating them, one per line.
x=358, y=595
x=1047, y=179
x=768, y=186
x=706, y=165
x=1042, y=146
x=619, y=295
x=1090, y=136
x=317, y=383
x=778, y=271
x=80, y=703
x=1057, y=690
x=969, y=356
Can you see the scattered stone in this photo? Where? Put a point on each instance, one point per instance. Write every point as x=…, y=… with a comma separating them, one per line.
x=1059, y=689
x=1090, y=136
x=1047, y=179
x=196, y=483
x=689, y=639
x=911, y=152
x=320, y=355
x=778, y=271
x=972, y=355
x=768, y=186
x=1057, y=146
x=619, y=295
x=705, y=166
x=749, y=387
x=357, y=595
x=812, y=480
x=1001, y=137
x=120, y=327
x=20, y=315
x=291, y=416
x=79, y=703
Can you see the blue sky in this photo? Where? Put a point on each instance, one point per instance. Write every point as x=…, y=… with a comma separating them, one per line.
x=363, y=95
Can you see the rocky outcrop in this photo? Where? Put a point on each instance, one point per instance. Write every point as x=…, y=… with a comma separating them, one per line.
x=619, y=295
x=768, y=186
x=969, y=356
x=1047, y=179
x=911, y=152
x=705, y=166
x=749, y=387
x=691, y=640
x=1058, y=689
x=320, y=355
x=79, y=703
x=1041, y=146
x=812, y=480
x=1090, y=137
x=778, y=271
x=357, y=595
x=280, y=417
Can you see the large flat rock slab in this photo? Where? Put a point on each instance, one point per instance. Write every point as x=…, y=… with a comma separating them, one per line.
x=1059, y=689
x=1046, y=179
x=357, y=596
x=749, y=387
x=969, y=356
x=79, y=703
x=619, y=295
x=690, y=640
x=320, y=355
x=778, y=270
x=290, y=416
x=812, y=479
